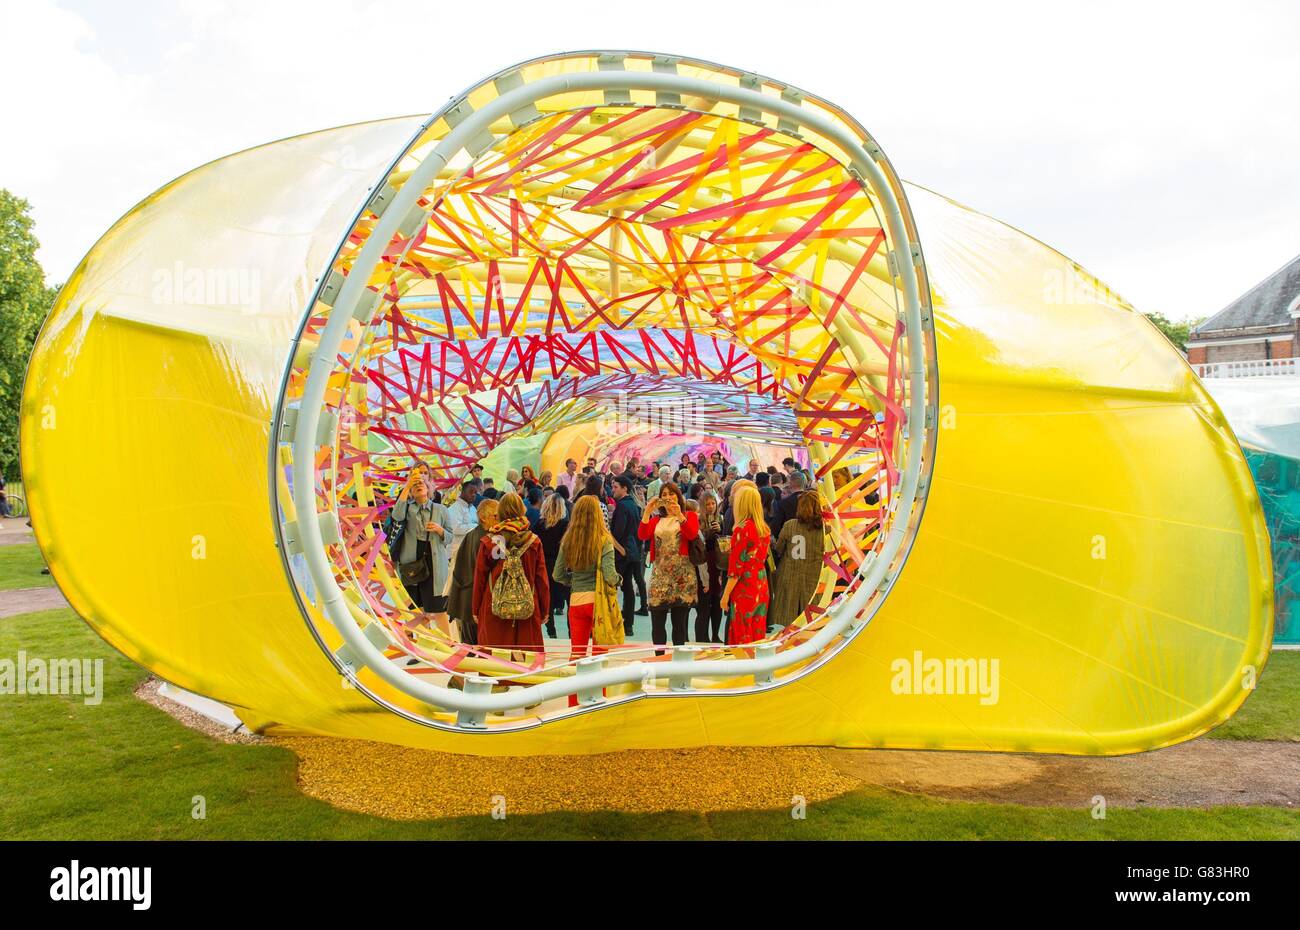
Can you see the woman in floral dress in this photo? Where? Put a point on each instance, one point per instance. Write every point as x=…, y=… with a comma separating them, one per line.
x=747, y=589
x=670, y=527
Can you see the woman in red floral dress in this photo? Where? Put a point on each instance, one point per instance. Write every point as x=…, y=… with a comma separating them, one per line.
x=746, y=588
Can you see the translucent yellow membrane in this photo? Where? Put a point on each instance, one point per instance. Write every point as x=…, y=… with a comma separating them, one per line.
x=1092, y=557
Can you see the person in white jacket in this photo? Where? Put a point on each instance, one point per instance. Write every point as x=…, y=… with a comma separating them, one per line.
x=665, y=475
x=462, y=516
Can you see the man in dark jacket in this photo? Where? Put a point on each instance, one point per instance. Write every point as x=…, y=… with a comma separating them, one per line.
x=788, y=505
x=533, y=506
x=623, y=525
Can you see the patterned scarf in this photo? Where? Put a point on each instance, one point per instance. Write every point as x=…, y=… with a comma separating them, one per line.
x=517, y=525
x=515, y=532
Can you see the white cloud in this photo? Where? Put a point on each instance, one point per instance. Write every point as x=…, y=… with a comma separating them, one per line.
x=1153, y=143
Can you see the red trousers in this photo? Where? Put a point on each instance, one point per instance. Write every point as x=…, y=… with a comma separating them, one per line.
x=581, y=619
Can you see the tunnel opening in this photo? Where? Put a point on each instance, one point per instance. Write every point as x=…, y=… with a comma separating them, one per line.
x=633, y=272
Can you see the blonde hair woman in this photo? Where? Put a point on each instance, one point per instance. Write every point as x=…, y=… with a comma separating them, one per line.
x=587, y=548
x=747, y=587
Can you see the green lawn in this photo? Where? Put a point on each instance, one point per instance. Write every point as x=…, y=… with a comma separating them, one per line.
x=20, y=567
x=1273, y=710
x=124, y=769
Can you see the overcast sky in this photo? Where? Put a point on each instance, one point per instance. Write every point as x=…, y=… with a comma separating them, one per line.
x=1156, y=144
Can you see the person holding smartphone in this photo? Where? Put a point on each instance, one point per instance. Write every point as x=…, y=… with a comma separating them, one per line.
x=670, y=527
x=422, y=555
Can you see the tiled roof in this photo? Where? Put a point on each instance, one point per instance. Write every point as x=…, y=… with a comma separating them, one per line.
x=1265, y=304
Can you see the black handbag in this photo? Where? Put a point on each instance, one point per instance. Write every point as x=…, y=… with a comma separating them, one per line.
x=417, y=572
x=697, y=551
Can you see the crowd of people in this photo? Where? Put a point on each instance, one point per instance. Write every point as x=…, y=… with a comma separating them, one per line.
x=598, y=547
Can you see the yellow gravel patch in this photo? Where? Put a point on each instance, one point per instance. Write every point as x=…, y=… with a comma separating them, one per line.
x=416, y=784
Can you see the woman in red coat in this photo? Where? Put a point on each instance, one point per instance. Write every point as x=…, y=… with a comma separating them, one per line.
x=511, y=532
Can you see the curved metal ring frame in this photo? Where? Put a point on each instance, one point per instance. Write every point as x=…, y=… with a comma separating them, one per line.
x=876, y=573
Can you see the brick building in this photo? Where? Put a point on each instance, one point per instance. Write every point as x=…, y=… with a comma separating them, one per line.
x=1256, y=334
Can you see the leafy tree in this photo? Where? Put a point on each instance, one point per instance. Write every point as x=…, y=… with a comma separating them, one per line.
x=1176, y=332
x=24, y=302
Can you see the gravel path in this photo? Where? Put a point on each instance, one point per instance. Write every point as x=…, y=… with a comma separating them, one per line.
x=391, y=781
x=30, y=600
x=15, y=531
x=148, y=692
x=1202, y=773
x=413, y=784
